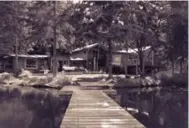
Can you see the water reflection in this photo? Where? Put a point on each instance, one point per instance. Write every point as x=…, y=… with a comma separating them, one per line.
x=31, y=108
x=156, y=108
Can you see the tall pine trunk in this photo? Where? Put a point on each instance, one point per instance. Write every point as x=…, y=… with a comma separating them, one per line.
x=16, y=46
x=125, y=64
x=54, y=43
x=173, y=67
x=109, y=58
x=181, y=65
x=16, y=57
x=141, y=61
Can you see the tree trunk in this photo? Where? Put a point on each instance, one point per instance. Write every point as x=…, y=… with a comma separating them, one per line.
x=16, y=57
x=16, y=47
x=125, y=65
x=173, y=67
x=153, y=109
x=181, y=65
x=54, y=44
x=109, y=59
x=138, y=102
x=141, y=61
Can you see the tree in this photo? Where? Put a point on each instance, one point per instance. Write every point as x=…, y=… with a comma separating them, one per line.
x=178, y=34
x=145, y=17
x=98, y=22
x=12, y=29
x=49, y=26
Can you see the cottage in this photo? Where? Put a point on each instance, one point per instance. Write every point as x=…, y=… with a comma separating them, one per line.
x=92, y=57
x=120, y=57
x=34, y=63
x=63, y=59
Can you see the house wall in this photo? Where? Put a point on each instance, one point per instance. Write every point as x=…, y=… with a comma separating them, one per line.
x=7, y=65
x=42, y=63
x=80, y=54
x=149, y=55
x=91, y=59
x=97, y=59
x=133, y=61
x=118, y=59
x=133, y=58
x=63, y=58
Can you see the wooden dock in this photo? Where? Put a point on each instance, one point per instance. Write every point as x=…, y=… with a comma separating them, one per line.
x=94, y=109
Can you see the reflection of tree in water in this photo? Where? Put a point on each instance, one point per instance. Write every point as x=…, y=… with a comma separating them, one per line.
x=33, y=109
x=163, y=108
x=48, y=110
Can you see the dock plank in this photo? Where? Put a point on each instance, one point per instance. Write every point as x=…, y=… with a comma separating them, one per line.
x=94, y=109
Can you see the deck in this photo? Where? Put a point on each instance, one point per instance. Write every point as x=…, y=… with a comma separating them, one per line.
x=94, y=109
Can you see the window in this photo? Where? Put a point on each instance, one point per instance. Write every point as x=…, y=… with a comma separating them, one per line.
x=31, y=64
x=95, y=53
x=1, y=65
x=65, y=62
x=8, y=64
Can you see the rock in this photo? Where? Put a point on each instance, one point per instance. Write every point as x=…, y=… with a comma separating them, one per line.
x=103, y=80
x=132, y=77
x=25, y=73
x=110, y=81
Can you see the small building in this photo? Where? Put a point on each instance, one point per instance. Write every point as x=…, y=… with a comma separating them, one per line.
x=63, y=58
x=91, y=57
x=120, y=57
x=33, y=63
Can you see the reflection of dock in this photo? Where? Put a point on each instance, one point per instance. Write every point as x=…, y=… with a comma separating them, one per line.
x=94, y=109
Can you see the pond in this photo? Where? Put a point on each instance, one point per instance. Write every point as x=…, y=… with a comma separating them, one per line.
x=32, y=108
x=155, y=107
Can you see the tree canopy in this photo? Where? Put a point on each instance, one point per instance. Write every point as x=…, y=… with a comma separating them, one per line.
x=117, y=24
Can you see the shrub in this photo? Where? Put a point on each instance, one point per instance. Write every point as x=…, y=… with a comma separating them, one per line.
x=63, y=80
x=179, y=80
x=60, y=80
x=25, y=74
x=5, y=76
x=128, y=82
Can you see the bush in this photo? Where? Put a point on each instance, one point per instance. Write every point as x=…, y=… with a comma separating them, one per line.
x=179, y=80
x=127, y=82
x=25, y=74
x=40, y=80
x=63, y=80
x=60, y=81
x=5, y=76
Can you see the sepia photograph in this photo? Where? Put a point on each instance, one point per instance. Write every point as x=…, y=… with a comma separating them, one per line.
x=93, y=64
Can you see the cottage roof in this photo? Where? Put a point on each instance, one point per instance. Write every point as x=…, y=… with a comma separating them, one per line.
x=31, y=56
x=133, y=50
x=86, y=47
x=76, y=59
